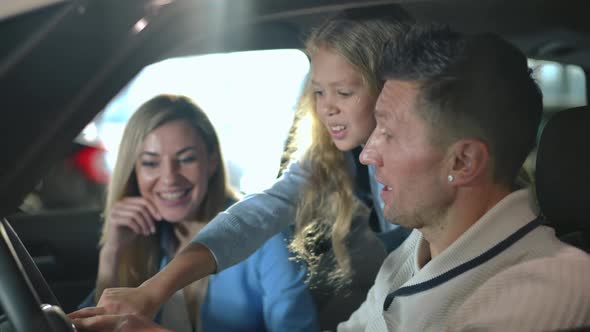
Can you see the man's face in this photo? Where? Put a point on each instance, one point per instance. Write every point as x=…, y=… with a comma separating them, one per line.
x=406, y=162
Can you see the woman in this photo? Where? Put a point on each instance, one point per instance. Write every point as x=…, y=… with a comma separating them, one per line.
x=316, y=193
x=168, y=182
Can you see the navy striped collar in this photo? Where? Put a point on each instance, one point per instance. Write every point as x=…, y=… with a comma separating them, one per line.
x=471, y=264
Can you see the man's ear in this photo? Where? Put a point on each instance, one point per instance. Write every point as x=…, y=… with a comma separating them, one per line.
x=213, y=164
x=469, y=161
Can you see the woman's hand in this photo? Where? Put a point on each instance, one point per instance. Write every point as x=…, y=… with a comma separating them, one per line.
x=128, y=218
x=97, y=319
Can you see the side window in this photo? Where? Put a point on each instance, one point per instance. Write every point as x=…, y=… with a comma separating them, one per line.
x=249, y=96
x=563, y=87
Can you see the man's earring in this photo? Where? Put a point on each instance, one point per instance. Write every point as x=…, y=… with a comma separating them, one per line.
x=450, y=178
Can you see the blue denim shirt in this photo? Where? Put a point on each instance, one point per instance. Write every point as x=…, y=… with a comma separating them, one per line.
x=265, y=292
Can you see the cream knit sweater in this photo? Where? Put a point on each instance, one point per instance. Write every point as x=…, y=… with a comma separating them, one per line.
x=505, y=273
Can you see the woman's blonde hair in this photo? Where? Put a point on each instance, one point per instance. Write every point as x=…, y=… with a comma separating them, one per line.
x=139, y=261
x=327, y=204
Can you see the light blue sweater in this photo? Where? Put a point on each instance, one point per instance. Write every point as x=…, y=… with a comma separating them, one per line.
x=265, y=292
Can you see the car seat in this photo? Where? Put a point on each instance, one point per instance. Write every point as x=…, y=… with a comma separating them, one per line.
x=562, y=175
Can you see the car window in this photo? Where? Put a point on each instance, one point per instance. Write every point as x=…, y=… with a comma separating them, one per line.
x=563, y=86
x=250, y=98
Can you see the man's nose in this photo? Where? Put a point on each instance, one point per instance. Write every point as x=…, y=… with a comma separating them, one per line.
x=369, y=155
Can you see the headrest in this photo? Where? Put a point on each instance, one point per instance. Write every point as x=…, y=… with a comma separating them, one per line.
x=562, y=172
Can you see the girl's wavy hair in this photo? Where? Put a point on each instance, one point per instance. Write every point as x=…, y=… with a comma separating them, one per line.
x=327, y=203
x=140, y=260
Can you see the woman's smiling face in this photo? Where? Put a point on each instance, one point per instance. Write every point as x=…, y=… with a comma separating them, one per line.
x=173, y=170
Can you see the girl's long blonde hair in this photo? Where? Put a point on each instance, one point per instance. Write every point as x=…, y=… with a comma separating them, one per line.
x=327, y=203
x=139, y=260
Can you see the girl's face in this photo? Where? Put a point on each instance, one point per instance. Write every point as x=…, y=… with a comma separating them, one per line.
x=173, y=170
x=344, y=103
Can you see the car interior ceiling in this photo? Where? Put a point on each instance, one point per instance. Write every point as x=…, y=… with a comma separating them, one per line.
x=549, y=30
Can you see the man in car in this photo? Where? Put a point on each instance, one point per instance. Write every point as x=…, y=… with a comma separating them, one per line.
x=455, y=121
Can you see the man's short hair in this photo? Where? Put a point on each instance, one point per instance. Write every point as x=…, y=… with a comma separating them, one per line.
x=470, y=87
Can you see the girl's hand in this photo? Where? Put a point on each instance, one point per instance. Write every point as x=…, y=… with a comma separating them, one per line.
x=97, y=319
x=126, y=300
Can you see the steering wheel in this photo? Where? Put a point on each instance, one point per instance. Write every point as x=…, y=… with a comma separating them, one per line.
x=27, y=301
